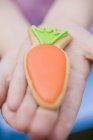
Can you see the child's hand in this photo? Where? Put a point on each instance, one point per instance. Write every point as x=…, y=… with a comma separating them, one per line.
x=81, y=55
x=22, y=112
x=20, y=109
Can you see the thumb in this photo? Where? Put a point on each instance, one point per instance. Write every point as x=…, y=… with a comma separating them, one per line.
x=89, y=48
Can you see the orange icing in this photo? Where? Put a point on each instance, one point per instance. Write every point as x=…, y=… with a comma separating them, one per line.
x=46, y=67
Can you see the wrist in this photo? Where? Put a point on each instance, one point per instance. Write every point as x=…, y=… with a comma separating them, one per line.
x=13, y=27
x=73, y=12
x=79, y=11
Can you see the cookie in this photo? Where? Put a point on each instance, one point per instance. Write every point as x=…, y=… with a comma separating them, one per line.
x=47, y=66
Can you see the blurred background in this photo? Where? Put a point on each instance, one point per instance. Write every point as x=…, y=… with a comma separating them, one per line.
x=82, y=129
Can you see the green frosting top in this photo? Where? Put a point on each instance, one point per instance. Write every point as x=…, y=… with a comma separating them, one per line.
x=48, y=36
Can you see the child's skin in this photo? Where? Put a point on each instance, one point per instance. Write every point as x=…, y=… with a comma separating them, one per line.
x=20, y=109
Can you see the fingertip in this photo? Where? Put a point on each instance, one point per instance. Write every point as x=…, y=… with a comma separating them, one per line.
x=12, y=105
x=3, y=89
x=16, y=93
x=14, y=101
x=6, y=113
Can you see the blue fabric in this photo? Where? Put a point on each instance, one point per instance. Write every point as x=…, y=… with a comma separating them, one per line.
x=84, y=119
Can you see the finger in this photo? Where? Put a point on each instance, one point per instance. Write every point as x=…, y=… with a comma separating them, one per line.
x=26, y=112
x=18, y=83
x=70, y=106
x=89, y=48
x=17, y=89
x=7, y=66
x=3, y=89
x=43, y=123
x=86, y=38
x=9, y=116
x=21, y=119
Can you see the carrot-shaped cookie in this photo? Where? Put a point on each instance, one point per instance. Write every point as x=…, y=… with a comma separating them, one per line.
x=47, y=66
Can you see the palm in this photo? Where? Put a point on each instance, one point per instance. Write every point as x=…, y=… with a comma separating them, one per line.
x=22, y=112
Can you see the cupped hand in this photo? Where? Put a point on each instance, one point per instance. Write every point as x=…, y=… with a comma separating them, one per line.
x=22, y=112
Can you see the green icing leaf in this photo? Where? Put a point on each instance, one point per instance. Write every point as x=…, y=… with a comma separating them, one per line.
x=48, y=36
